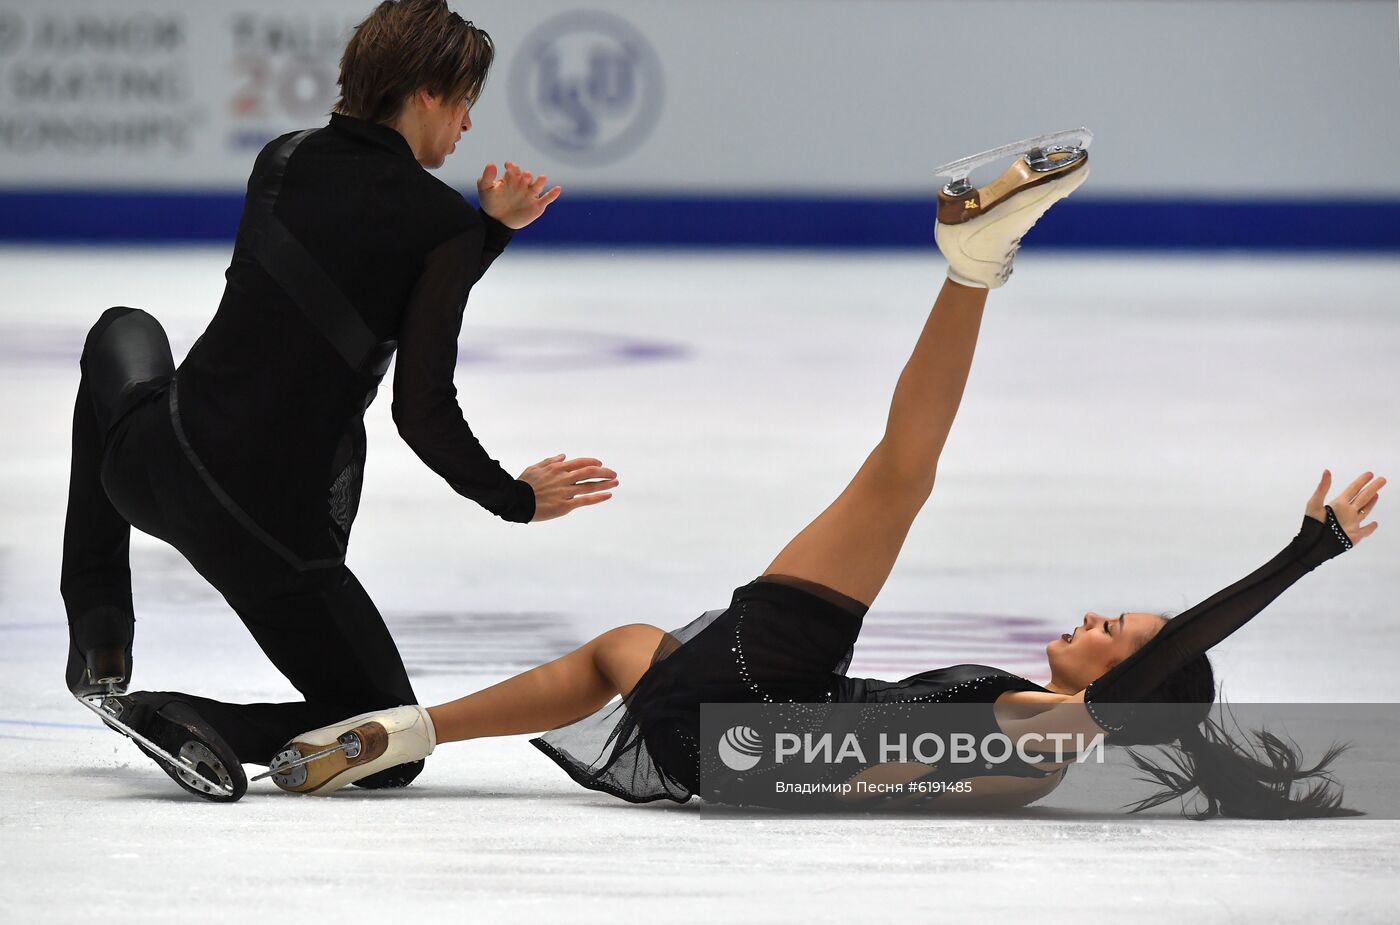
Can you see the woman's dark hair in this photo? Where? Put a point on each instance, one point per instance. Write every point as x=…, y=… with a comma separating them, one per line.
x=407, y=44
x=1235, y=778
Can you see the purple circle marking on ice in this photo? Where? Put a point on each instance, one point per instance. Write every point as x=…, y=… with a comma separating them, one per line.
x=451, y=643
x=907, y=642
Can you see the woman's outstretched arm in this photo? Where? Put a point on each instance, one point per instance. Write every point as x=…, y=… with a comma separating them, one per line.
x=1106, y=705
x=852, y=545
x=1327, y=531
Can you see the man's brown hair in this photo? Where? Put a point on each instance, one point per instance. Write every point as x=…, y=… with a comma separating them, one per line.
x=407, y=44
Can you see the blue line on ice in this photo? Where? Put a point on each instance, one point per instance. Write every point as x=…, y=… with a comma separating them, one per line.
x=31, y=722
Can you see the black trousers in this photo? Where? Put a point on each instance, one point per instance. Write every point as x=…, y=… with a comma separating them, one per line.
x=319, y=627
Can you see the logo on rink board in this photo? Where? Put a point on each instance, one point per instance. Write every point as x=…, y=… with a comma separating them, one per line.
x=586, y=87
x=285, y=66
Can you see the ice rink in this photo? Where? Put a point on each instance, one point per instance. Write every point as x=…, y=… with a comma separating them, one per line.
x=1137, y=433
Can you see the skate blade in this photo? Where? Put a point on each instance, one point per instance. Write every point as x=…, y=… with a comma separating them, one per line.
x=965, y=203
x=959, y=169
x=94, y=703
x=291, y=759
x=302, y=767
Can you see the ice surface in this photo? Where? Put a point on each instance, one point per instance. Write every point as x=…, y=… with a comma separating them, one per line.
x=1136, y=434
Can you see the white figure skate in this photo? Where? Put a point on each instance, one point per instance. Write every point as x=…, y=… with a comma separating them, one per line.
x=326, y=759
x=979, y=229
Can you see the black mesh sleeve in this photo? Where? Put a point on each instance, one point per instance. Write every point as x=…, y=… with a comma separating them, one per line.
x=495, y=237
x=1190, y=634
x=425, y=399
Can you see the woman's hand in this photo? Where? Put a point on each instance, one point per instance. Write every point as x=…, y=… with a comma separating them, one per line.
x=1352, y=505
x=564, y=484
x=516, y=199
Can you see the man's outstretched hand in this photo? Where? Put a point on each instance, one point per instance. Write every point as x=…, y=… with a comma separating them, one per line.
x=515, y=199
x=564, y=484
x=1352, y=505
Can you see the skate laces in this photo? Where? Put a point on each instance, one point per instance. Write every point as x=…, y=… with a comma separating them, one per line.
x=1016, y=245
x=1010, y=259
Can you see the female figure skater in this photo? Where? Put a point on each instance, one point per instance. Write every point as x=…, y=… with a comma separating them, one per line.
x=249, y=459
x=787, y=635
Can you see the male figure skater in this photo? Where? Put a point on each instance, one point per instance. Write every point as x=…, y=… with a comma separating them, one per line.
x=249, y=458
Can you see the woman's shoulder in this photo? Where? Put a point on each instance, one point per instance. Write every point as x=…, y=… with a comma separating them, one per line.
x=1038, y=696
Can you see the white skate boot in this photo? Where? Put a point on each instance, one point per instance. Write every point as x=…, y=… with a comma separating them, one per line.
x=326, y=759
x=979, y=229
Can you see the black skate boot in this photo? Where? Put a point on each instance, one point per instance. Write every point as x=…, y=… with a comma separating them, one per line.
x=179, y=740
x=99, y=652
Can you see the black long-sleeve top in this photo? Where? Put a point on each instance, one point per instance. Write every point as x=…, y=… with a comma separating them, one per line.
x=347, y=250
x=1189, y=635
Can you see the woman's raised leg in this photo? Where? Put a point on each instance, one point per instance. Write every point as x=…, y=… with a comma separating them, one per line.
x=852, y=545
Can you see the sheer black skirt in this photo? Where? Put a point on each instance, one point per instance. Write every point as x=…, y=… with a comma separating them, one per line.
x=780, y=640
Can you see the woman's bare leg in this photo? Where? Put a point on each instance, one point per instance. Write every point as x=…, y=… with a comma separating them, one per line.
x=852, y=546
x=554, y=694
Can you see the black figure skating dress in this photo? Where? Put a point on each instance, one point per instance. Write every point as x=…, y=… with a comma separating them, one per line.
x=784, y=640
x=781, y=640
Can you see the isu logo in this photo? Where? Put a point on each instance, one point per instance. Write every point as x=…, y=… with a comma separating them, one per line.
x=586, y=88
x=740, y=748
